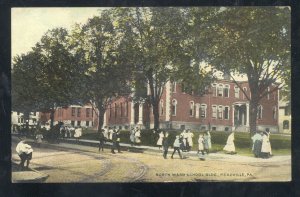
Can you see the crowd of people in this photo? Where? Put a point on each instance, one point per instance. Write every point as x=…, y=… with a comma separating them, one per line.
x=183, y=142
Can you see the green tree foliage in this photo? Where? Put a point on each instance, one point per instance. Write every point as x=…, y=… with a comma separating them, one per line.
x=104, y=75
x=157, y=49
x=43, y=79
x=254, y=42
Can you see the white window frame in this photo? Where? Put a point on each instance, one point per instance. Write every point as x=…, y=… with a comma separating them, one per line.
x=228, y=112
x=220, y=89
x=200, y=110
x=214, y=93
x=220, y=111
x=216, y=111
x=236, y=92
x=161, y=107
x=226, y=87
x=174, y=84
x=174, y=103
x=192, y=107
x=274, y=113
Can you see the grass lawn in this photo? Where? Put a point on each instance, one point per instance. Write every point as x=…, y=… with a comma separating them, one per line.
x=281, y=144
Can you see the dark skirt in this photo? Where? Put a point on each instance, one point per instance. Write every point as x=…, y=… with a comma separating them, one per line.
x=257, y=148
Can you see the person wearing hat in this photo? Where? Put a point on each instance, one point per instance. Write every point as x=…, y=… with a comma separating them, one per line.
x=25, y=153
x=176, y=146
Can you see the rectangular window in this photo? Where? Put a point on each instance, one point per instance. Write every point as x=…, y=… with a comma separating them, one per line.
x=268, y=95
x=214, y=90
x=87, y=123
x=110, y=111
x=87, y=112
x=73, y=111
x=214, y=111
x=18, y=113
x=34, y=113
x=226, y=113
x=121, y=109
x=220, y=112
x=274, y=113
x=236, y=92
x=116, y=110
x=192, y=108
x=126, y=108
x=245, y=90
x=203, y=111
x=78, y=112
x=78, y=123
x=259, y=112
x=287, y=111
x=73, y=123
x=226, y=91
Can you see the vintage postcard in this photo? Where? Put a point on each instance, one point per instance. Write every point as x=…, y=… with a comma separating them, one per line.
x=151, y=94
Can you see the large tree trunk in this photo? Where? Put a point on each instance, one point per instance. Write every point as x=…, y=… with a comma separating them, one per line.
x=100, y=118
x=156, y=115
x=253, y=115
x=52, y=118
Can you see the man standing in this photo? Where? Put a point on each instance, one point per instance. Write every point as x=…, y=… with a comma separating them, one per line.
x=176, y=146
x=118, y=140
x=165, y=145
x=101, y=140
x=25, y=153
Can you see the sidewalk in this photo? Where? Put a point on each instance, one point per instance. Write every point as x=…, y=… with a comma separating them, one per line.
x=155, y=150
x=74, y=144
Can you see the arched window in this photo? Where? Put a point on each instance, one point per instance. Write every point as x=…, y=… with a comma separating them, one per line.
x=220, y=90
x=286, y=124
x=226, y=91
x=192, y=108
x=161, y=107
x=214, y=89
x=174, y=107
x=259, y=112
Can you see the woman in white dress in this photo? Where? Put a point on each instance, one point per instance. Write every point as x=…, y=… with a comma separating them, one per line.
x=137, y=136
x=266, y=146
x=201, y=147
x=230, y=147
x=160, y=139
x=190, y=136
x=78, y=133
